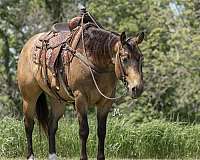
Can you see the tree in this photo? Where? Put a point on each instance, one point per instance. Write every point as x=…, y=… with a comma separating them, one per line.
x=171, y=52
x=171, y=49
x=19, y=21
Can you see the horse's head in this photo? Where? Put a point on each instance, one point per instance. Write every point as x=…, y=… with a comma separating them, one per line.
x=128, y=63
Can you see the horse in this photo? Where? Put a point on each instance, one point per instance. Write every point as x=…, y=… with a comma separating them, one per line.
x=106, y=58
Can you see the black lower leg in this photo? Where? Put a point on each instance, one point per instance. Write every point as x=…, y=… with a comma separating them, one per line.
x=52, y=128
x=29, y=124
x=83, y=133
x=101, y=131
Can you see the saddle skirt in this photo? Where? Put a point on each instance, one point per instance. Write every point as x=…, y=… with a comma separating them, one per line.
x=51, y=52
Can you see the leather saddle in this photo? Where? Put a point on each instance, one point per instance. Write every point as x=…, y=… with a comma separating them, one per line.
x=53, y=50
x=50, y=51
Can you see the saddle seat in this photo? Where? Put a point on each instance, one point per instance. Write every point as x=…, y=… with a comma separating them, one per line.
x=60, y=27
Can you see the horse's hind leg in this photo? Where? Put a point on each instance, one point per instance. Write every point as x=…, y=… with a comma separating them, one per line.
x=56, y=112
x=29, y=109
x=29, y=125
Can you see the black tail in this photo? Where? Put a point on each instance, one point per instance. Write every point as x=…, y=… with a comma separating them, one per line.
x=42, y=112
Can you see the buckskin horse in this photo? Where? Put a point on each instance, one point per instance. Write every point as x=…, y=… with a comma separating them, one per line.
x=82, y=67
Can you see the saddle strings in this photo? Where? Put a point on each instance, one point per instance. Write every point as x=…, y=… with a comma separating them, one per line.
x=93, y=78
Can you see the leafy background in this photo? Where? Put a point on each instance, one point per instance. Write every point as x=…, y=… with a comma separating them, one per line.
x=171, y=71
x=171, y=50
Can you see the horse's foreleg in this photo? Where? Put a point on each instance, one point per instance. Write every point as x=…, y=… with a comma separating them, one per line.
x=102, y=114
x=83, y=133
x=57, y=110
x=81, y=109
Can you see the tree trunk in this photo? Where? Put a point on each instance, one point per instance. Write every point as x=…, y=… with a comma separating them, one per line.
x=6, y=55
x=54, y=7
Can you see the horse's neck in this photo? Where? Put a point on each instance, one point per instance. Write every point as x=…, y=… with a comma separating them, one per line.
x=100, y=47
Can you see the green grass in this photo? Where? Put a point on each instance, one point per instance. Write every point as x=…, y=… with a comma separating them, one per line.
x=157, y=139
x=59, y=158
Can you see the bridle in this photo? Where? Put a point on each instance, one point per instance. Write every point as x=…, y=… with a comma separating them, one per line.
x=121, y=67
x=122, y=70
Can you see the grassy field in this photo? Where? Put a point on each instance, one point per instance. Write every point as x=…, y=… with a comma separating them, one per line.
x=157, y=139
x=60, y=158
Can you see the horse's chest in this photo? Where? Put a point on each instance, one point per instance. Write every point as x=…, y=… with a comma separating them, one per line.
x=81, y=79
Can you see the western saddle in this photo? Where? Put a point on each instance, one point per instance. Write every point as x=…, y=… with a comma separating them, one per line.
x=55, y=50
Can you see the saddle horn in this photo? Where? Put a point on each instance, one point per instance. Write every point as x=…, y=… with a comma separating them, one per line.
x=82, y=9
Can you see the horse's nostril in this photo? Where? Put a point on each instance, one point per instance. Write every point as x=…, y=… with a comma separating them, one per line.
x=134, y=90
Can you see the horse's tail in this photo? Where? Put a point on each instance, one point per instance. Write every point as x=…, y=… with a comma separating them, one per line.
x=42, y=112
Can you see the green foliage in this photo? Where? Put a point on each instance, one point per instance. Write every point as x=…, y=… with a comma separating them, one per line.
x=171, y=73
x=19, y=20
x=171, y=50
x=156, y=139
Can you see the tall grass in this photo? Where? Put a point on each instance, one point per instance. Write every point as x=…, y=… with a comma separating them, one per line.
x=157, y=139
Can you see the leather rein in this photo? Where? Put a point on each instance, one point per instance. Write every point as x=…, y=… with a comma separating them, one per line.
x=91, y=69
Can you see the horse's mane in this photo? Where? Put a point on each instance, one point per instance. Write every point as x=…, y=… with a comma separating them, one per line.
x=99, y=43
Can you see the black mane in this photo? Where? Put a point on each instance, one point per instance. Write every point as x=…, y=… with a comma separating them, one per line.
x=99, y=43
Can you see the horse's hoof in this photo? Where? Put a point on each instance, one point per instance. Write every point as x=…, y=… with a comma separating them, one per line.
x=31, y=157
x=52, y=156
x=101, y=157
x=83, y=158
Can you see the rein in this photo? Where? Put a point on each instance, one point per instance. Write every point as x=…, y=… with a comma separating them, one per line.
x=93, y=78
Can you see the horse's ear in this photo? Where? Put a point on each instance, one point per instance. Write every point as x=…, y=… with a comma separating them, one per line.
x=139, y=38
x=123, y=38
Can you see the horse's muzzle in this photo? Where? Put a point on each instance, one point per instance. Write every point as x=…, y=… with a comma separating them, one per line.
x=136, y=91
